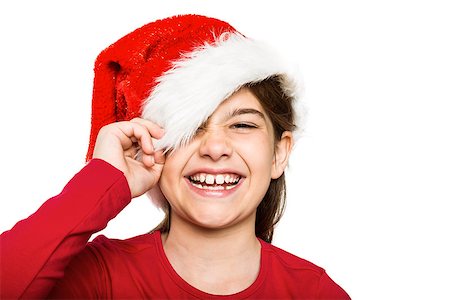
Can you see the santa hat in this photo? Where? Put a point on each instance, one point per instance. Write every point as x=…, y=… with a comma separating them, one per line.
x=175, y=72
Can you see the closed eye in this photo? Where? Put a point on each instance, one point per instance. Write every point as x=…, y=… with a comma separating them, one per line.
x=200, y=130
x=243, y=126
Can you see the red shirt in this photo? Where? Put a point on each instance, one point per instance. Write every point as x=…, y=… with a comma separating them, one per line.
x=46, y=254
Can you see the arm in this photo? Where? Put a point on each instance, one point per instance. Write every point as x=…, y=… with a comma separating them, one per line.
x=35, y=252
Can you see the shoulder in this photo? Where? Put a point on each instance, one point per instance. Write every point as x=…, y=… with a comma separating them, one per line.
x=290, y=261
x=132, y=245
x=300, y=274
x=107, y=263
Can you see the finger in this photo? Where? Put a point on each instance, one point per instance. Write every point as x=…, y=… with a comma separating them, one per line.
x=148, y=160
x=137, y=133
x=155, y=130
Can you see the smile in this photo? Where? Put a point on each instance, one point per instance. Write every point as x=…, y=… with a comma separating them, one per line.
x=214, y=182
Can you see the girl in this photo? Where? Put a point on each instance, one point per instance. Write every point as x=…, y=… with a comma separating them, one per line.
x=202, y=118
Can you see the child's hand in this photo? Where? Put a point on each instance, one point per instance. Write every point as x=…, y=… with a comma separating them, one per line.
x=118, y=143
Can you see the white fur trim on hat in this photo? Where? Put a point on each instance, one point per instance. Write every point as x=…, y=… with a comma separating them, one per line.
x=187, y=94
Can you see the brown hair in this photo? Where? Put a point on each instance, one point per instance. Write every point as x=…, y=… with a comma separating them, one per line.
x=279, y=107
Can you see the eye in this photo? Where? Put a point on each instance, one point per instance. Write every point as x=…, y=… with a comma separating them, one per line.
x=244, y=126
x=200, y=130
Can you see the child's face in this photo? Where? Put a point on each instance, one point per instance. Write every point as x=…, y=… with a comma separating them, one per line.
x=221, y=176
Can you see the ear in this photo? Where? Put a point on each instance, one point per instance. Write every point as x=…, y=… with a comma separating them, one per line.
x=281, y=156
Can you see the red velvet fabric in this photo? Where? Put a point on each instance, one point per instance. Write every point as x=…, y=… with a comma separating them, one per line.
x=126, y=71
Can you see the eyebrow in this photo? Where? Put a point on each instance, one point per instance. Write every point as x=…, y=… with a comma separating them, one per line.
x=244, y=111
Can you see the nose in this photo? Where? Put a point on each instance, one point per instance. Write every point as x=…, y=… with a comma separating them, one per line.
x=215, y=145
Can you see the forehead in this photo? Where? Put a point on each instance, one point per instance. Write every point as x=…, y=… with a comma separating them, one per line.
x=242, y=99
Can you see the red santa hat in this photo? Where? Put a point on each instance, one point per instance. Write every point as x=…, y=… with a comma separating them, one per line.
x=175, y=72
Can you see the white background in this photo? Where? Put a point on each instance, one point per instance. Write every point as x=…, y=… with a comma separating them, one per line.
x=369, y=182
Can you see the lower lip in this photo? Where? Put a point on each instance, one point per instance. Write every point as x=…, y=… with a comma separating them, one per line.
x=213, y=193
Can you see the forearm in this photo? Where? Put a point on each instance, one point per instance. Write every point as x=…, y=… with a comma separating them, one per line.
x=35, y=252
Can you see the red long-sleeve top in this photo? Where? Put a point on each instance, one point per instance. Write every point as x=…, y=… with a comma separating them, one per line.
x=48, y=255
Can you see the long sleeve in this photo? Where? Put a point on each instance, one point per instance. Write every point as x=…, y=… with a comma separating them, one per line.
x=35, y=252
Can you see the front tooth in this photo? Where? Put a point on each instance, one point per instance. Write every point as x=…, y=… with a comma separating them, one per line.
x=209, y=179
x=220, y=179
x=202, y=178
x=227, y=178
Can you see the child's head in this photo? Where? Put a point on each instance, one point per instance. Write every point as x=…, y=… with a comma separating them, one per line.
x=243, y=148
x=192, y=75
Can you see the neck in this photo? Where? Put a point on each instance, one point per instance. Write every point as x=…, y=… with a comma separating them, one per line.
x=217, y=261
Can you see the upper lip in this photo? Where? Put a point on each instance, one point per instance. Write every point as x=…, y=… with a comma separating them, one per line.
x=214, y=171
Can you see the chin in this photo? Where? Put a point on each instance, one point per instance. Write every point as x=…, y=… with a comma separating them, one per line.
x=209, y=220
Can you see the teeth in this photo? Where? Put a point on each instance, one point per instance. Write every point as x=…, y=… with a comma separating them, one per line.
x=220, y=179
x=209, y=179
x=202, y=178
x=213, y=187
x=217, y=179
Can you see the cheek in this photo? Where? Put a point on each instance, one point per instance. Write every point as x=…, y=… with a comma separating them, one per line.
x=258, y=153
x=164, y=181
x=170, y=176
